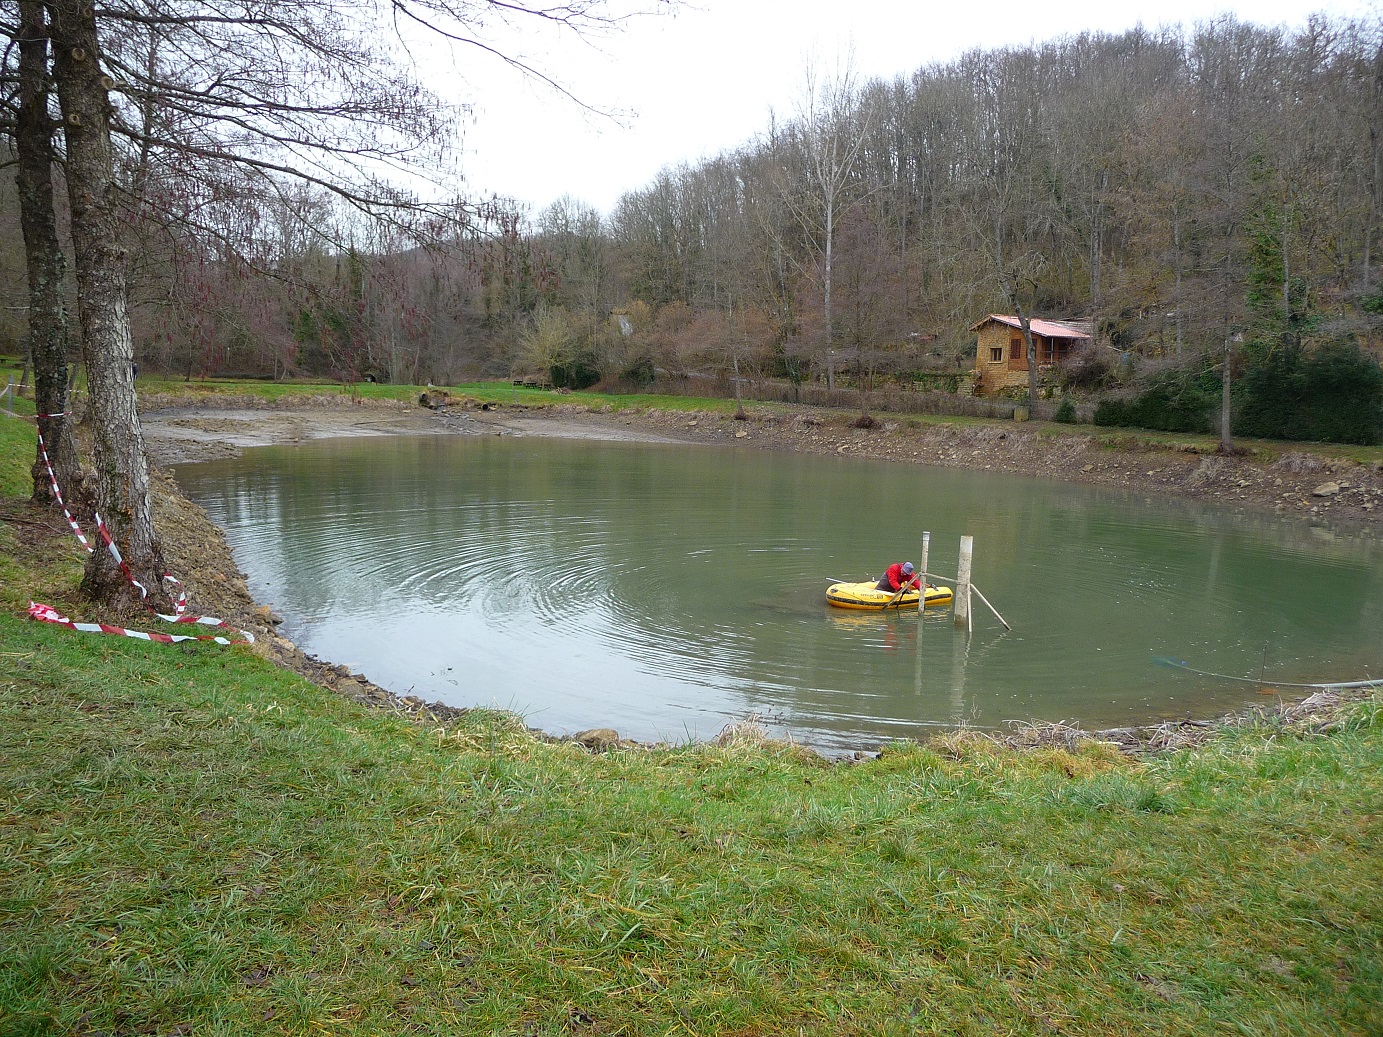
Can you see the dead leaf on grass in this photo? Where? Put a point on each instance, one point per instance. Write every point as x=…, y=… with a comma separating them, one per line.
x=1160, y=987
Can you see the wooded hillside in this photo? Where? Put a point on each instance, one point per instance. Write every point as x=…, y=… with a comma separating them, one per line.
x=1176, y=188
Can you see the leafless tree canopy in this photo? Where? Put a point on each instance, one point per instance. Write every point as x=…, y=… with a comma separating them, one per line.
x=202, y=142
x=1163, y=185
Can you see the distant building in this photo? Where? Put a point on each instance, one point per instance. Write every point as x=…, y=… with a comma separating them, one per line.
x=1001, y=360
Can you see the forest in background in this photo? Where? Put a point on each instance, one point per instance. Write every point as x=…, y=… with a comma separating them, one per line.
x=1179, y=189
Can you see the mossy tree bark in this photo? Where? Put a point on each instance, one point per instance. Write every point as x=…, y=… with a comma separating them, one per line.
x=45, y=262
x=122, y=468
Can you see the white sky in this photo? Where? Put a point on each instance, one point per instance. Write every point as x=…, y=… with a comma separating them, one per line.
x=705, y=80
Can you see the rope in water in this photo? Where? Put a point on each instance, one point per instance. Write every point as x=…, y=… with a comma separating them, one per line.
x=1323, y=685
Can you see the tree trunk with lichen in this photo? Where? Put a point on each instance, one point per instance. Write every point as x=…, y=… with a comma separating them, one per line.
x=122, y=468
x=44, y=261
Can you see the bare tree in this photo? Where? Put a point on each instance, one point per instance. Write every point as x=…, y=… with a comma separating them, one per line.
x=45, y=262
x=827, y=135
x=208, y=91
x=1011, y=208
x=122, y=468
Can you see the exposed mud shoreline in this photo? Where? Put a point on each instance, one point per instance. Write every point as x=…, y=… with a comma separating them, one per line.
x=1319, y=486
x=1337, y=493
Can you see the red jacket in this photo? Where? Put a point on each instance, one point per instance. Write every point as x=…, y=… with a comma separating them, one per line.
x=895, y=578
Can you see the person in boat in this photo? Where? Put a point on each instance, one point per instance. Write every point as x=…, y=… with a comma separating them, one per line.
x=896, y=577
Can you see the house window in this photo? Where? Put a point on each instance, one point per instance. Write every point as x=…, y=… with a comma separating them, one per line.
x=996, y=354
x=1015, y=347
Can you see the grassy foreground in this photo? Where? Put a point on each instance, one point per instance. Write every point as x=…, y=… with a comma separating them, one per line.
x=195, y=842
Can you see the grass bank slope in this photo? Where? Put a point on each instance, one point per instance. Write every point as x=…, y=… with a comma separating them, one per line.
x=193, y=841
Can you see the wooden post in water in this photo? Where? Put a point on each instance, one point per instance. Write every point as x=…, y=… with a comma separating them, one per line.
x=922, y=601
x=961, y=606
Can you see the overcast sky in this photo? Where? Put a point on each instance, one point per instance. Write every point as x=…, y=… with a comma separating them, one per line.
x=706, y=79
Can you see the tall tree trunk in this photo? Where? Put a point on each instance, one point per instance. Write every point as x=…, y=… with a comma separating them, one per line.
x=859, y=377
x=122, y=468
x=829, y=259
x=1029, y=346
x=44, y=261
x=1226, y=439
x=1176, y=249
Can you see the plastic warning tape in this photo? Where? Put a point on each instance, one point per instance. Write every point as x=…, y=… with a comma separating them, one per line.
x=179, y=606
x=48, y=614
x=57, y=493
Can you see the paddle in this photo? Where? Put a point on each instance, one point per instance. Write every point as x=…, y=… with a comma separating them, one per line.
x=901, y=591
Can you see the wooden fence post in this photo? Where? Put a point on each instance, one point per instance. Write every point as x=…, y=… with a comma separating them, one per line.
x=961, y=606
x=922, y=601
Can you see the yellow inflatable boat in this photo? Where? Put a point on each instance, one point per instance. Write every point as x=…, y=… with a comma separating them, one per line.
x=867, y=596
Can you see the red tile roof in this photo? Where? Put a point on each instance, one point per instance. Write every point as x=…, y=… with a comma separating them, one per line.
x=1045, y=328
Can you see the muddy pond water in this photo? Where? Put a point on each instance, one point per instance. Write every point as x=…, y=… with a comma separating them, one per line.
x=667, y=590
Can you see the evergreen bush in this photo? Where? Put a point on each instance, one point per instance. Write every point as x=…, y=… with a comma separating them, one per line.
x=640, y=371
x=1184, y=400
x=579, y=373
x=1333, y=394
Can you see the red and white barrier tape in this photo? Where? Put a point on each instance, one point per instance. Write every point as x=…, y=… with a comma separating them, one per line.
x=179, y=606
x=48, y=614
x=57, y=493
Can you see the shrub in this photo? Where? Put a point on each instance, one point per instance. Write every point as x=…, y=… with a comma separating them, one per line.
x=1091, y=368
x=639, y=371
x=1178, y=400
x=578, y=373
x=1333, y=394
x=1066, y=413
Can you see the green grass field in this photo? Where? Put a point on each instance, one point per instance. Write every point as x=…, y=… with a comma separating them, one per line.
x=195, y=842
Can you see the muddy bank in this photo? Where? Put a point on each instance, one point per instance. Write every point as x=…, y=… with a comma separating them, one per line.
x=1319, y=488
x=1319, y=485
x=1284, y=480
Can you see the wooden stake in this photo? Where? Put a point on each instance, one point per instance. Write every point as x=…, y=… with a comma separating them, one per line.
x=961, y=605
x=922, y=601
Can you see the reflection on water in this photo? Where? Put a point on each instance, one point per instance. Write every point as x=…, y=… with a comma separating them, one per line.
x=666, y=590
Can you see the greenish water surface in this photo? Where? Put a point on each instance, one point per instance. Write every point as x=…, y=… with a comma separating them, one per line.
x=667, y=590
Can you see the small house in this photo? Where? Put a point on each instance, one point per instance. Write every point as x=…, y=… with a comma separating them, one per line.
x=1001, y=360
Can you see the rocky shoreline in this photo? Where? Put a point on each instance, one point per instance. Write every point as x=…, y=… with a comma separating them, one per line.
x=1343, y=494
